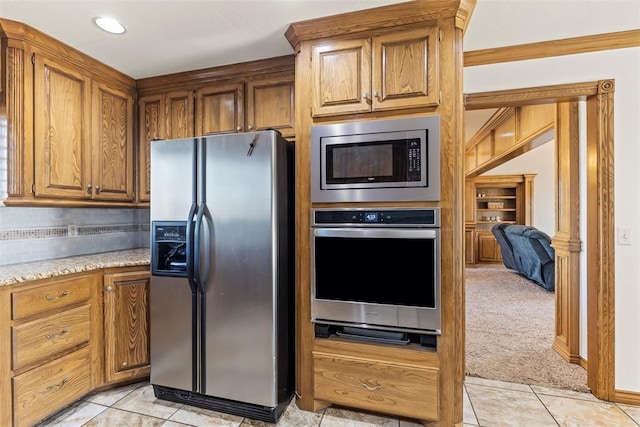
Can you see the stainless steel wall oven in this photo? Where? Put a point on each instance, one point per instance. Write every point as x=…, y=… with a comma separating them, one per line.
x=376, y=269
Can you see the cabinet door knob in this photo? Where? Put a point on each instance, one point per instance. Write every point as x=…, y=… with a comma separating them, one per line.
x=109, y=288
x=239, y=128
x=376, y=94
x=98, y=188
x=365, y=95
x=250, y=127
x=89, y=188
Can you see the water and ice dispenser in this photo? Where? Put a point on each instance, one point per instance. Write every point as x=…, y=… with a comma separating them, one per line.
x=169, y=248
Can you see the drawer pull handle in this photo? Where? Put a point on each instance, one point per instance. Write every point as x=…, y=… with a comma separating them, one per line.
x=52, y=336
x=368, y=387
x=53, y=297
x=58, y=386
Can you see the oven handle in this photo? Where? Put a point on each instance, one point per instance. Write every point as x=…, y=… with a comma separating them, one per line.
x=377, y=233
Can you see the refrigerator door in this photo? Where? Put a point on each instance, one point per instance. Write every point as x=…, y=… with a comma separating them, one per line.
x=240, y=192
x=172, y=195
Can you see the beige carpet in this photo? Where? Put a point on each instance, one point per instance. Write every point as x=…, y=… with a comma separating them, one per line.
x=509, y=332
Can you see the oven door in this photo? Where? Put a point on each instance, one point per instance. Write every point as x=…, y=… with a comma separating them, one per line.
x=385, y=278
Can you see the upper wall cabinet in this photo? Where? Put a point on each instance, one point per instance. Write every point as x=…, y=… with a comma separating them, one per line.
x=242, y=97
x=70, y=124
x=385, y=72
x=83, y=140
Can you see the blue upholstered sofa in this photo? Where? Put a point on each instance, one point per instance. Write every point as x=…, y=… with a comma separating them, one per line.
x=528, y=251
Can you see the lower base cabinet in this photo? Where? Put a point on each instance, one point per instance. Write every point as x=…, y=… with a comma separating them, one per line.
x=50, y=387
x=126, y=320
x=69, y=335
x=394, y=380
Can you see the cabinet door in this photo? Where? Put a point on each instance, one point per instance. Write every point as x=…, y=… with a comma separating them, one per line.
x=341, y=74
x=178, y=107
x=112, y=172
x=270, y=105
x=150, y=126
x=405, y=69
x=488, y=248
x=220, y=109
x=126, y=325
x=62, y=130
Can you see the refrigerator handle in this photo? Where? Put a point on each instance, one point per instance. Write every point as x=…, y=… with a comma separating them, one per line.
x=197, y=233
x=190, y=247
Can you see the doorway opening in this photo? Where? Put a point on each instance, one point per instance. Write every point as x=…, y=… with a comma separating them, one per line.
x=598, y=199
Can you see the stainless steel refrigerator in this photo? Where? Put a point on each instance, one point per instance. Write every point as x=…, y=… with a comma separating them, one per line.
x=221, y=293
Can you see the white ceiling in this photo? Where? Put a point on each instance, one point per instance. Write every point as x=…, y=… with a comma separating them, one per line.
x=168, y=36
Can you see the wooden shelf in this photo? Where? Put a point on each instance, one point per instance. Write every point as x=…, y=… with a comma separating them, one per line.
x=513, y=193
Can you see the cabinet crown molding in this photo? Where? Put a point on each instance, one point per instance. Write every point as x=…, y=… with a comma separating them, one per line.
x=407, y=13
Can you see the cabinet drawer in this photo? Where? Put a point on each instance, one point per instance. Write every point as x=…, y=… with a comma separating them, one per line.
x=48, y=388
x=59, y=294
x=409, y=391
x=52, y=335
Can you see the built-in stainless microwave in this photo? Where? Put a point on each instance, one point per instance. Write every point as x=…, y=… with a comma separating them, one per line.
x=376, y=161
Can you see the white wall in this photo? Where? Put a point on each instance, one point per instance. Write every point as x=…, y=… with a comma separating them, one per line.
x=540, y=162
x=533, y=20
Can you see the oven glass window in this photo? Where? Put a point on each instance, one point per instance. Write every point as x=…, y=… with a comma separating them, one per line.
x=381, y=271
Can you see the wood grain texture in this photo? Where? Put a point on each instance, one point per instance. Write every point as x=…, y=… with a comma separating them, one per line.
x=545, y=49
x=405, y=69
x=600, y=243
x=6, y=395
x=52, y=295
x=385, y=17
x=112, y=144
x=13, y=92
x=50, y=387
x=566, y=240
x=126, y=325
x=62, y=130
x=600, y=225
x=373, y=385
x=48, y=337
x=270, y=105
x=179, y=114
x=150, y=126
x=508, y=133
x=220, y=109
x=341, y=75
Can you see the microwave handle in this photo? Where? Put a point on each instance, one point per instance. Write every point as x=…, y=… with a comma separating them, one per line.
x=377, y=233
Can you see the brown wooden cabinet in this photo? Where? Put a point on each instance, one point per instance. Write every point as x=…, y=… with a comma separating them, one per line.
x=126, y=325
x=71, y=121
x=69, y=335
x=390, y=71
x=242, y=97
x=50, y=327
x=495, y=199
x=112, y=145
x=62, y=130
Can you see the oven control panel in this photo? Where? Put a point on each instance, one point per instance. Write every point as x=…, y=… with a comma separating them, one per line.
x=424, y=217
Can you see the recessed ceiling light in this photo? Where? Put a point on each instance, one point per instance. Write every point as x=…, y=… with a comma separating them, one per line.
x=109, y=25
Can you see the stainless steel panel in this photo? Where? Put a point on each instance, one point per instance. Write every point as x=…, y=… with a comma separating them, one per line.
x=424, y=319
x=171, y=179
x=241, y=287
x=170, y=332
x=376, y=192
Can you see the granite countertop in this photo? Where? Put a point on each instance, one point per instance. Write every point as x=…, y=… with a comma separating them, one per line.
x=25, y=272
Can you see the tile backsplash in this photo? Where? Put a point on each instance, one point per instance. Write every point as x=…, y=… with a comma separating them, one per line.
x=34, y=234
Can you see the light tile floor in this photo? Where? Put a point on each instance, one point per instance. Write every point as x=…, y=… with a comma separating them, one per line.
x=487, y=403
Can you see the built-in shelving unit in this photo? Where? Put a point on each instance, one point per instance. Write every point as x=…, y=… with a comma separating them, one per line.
x=495, y=199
